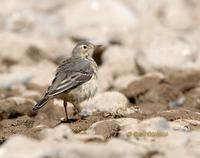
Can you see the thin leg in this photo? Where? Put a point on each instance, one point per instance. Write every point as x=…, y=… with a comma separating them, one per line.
x=65, y=107
x=77, y=107
x=77, y=110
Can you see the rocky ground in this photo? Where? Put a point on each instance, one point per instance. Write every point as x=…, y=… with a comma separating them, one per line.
x=148, y=103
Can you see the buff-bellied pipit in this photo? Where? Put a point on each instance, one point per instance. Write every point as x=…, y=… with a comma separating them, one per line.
x=75, y=79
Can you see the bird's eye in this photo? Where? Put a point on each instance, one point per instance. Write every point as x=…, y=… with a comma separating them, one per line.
x=84, y=47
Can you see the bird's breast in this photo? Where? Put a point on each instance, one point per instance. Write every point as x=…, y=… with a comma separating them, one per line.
x=82, y=92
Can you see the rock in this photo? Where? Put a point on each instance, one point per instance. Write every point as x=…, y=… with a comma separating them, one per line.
x=180, y=153
x=182, y=139
x=122, y=82
x=161, y=53
x=106, y=129
x=131, y=128
x=7, y=80
x=17, y=141
x=180, y=125
x=31, y=94
x=164, y=94
x=109, y=102
x=35, y=149
x=26, y=20
x=51, y=49
x=172, y=13
x=184, y=80
x=16, y=106
x=154, y=124
x=142, y=85
x=126, y=125
x=119, y=16
x=59, y=133
x=33, y=50
x=89, y=138
x=105, y=78
x=12, y=55
x=48, y=6
x=40, y=75
x=115, y=57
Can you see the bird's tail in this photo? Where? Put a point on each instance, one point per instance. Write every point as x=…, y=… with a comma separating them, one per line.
x=41, y=103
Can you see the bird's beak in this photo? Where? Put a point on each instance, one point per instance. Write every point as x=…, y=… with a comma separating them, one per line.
x=98, y=46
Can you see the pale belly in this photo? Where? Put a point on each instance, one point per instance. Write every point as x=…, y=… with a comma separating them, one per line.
x=81, y=93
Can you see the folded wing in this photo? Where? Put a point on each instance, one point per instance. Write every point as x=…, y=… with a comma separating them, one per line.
x=70, y=74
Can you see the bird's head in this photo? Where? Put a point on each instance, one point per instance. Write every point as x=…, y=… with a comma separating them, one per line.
x=84, y=49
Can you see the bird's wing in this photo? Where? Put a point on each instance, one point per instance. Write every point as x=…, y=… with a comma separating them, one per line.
x=71, y=73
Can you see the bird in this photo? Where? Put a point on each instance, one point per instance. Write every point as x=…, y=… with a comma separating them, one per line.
x=75, y=80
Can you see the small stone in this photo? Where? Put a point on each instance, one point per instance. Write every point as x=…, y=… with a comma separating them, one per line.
x=106, y=129
x=89, y=138
x=59, y=133
x=110, y=102
x=122, y=82
x=14, y=107
x=155, y=124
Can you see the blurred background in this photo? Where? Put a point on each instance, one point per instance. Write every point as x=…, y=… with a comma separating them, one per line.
x=149, y=66
x=139, y=36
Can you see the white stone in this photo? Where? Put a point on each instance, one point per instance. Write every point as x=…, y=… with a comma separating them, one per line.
x=42, y=73
x=120, y=59
x=123, y=81
x=96, y=22
x=110, y=102
x=166, y=52
x=60, y=133
x=105, y=78
x=7, y=80
x=155, y=124
x=27, y=147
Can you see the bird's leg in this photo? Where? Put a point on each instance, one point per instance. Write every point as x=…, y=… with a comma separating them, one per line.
x=77, y=107
x=65, y=108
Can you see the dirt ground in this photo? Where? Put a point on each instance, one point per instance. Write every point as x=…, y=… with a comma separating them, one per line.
x=152, y=99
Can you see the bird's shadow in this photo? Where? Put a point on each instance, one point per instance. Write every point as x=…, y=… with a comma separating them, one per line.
x=69, y=121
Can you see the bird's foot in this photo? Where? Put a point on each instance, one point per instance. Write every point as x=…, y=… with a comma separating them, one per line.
x=69, y=120
x=64, y=120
